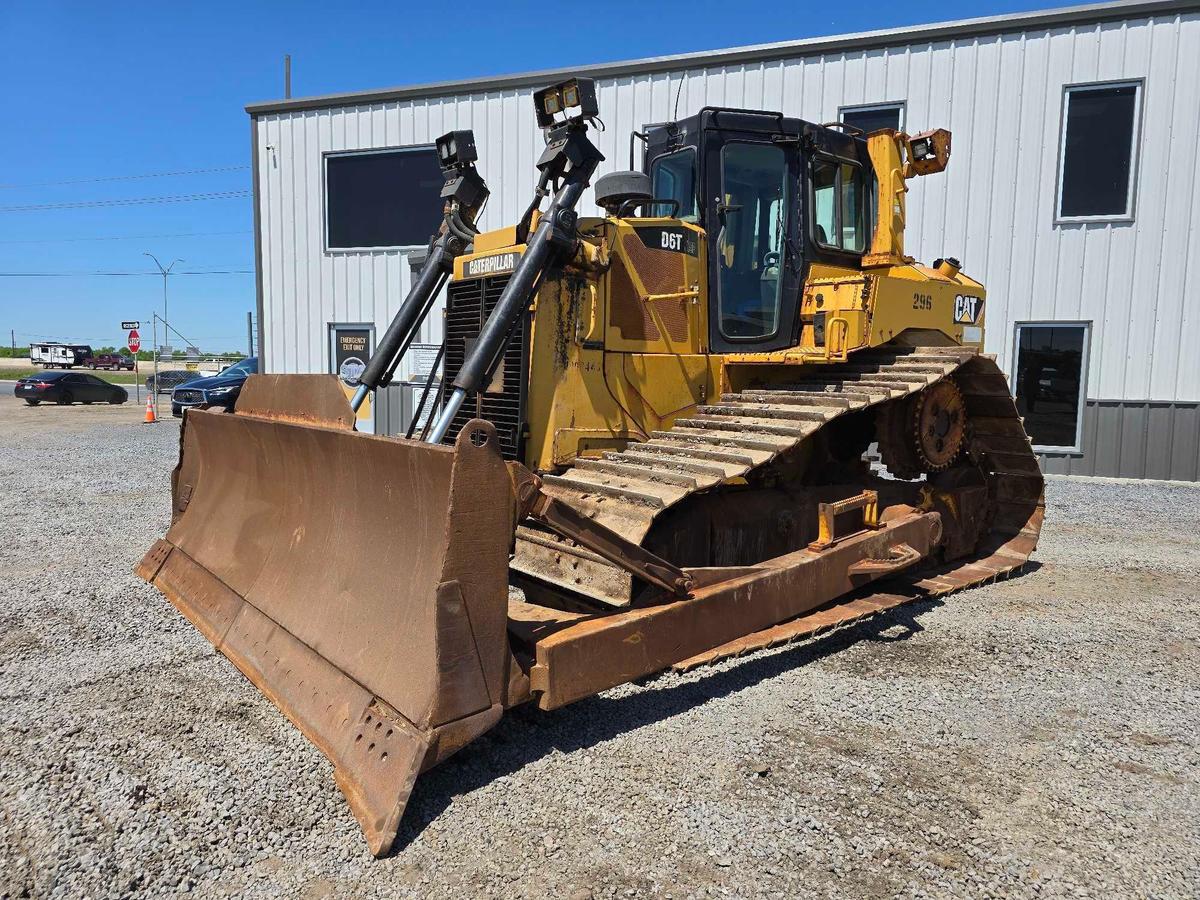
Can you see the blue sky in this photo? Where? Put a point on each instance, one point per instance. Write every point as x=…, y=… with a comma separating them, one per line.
x=111, y=90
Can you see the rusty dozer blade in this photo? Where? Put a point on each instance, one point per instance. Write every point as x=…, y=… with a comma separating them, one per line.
x=360, y=582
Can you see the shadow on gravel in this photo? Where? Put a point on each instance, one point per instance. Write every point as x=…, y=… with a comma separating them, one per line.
x=526, y=734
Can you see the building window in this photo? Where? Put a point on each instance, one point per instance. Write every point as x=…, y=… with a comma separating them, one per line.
x=1051, y=368
x=382, y=198
x=872, y=118
x=839, y=205
x=1098, y=156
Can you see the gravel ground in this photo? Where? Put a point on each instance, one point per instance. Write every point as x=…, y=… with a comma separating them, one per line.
x=1032, y=738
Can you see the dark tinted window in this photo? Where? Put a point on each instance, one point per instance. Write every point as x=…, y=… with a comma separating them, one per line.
x=873, y=119
x=49, y=376
x=754, y=188
x=247, y=366
x=1049, y=378
x=1097, y=162
x=674, y=178
x=387, y=199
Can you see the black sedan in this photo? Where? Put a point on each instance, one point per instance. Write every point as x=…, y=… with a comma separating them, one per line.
x=220, y=390
x=68, y=387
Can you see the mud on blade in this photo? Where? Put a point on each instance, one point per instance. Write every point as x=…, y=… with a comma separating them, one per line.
x=360, y=582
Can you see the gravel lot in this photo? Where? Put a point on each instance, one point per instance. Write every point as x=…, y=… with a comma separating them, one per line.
x=1032, y=738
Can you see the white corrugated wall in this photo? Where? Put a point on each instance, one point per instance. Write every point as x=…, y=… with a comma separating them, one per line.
x=994, y=207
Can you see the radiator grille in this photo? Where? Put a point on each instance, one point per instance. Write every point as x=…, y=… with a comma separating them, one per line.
x=468, y=304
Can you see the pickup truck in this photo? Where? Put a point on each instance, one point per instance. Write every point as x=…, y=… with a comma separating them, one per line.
x=114, y=361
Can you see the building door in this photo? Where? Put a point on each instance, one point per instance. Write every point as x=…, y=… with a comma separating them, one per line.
x=351, y=346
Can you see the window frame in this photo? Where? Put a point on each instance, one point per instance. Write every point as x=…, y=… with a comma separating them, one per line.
x=901, y=105
x=1139, y=86
x=695, y=180
x=325, y=157
x=1084, y=365
x=785, y=204
x=868, y=206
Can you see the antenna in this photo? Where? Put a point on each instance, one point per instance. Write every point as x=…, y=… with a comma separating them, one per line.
x=678, y=91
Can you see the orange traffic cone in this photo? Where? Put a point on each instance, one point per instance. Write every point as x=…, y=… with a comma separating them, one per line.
x=150, y=419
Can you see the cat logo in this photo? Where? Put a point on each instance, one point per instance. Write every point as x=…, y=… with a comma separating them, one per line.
x=967, y=309
x=496, y=264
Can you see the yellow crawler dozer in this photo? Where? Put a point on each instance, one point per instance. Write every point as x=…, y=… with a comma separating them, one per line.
x=657, y=424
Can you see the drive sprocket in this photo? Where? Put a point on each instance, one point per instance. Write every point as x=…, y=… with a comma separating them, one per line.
x=923, y=433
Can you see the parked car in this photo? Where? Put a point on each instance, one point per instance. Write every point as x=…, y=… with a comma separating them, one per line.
x=220, y=390
x=68, y=387
x=169, y=379
x=113, y=361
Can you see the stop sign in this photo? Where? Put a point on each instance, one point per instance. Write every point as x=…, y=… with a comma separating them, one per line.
x=135, y=343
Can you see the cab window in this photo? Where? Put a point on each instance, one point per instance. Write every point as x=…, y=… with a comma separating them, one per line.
x=752, y=217
x=839, y=205
x=673, y=177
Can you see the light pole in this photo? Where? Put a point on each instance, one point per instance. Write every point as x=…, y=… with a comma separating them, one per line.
x=165, y=272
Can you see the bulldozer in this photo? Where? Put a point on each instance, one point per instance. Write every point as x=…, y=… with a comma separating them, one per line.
x=728, y=414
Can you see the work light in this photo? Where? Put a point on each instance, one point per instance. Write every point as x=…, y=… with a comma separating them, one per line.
x=456, y=148
x=575, y=98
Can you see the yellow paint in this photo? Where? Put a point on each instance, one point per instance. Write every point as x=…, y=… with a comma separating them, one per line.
x=619, y=336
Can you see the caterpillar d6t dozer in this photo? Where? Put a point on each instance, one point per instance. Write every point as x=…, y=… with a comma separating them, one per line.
x=648, y=447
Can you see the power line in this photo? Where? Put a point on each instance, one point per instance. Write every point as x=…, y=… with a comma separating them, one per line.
x=125, y=237
x=130, y=201
x=220, y=272
x=66, y=338
x=125, y=177
x=92, y=274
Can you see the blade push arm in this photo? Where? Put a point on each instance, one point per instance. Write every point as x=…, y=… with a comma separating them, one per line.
x=568, y=522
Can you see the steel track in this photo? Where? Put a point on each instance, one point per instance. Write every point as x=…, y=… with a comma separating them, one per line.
x=731, y=439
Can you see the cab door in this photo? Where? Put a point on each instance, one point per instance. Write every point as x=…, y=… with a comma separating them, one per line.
x=754, y=261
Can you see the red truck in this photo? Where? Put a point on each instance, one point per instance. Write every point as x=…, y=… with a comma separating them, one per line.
x=114, y=361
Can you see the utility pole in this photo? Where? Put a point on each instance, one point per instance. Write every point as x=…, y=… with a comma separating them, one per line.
x=154, y=354
x=287, y=76
x=165, y=272
x=249, y=334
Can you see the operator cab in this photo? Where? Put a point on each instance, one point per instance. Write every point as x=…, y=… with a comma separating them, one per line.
x=774, y=195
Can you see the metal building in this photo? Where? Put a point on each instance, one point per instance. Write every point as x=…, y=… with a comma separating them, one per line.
x=1071, y=193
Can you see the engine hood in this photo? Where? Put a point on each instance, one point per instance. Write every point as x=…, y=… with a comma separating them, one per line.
x=214, y=381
